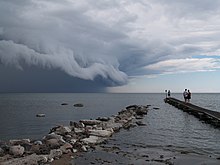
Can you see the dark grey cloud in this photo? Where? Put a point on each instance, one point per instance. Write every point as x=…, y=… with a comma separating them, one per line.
x=34, y=79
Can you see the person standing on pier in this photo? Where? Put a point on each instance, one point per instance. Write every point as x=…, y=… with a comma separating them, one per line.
x=185, y=95
x=188, y=96
x=169, y=93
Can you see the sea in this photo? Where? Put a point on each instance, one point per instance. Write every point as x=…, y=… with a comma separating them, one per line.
x=166, y=128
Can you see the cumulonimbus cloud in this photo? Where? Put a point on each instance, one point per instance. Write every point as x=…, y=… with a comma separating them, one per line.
x=111, y=40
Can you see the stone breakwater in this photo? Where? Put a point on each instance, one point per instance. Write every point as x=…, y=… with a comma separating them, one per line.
x=77, y=137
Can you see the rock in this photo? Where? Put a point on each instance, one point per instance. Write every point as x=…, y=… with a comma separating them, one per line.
x=78, y=105
x=93, y=140
x=77, y=145
x=140, y=123
x=54, y=154
x=77, y=125
x=38, y=142
x=16, y=150
x=64, y=104
x=35, y=149
x=79, y=130
x=2, y=152
x=83, y=148
x=23, y=142
x=90, y=122
x=19, y=142
x=62, y=130
x=73, y=141
x=74, y=150
x=127, y=125
x=103, y=118
x=53, y=143
x=111, y=124
x=29, y=160
x=156, y=108
x=138, y=117
x=141, y=111
x=54, y=136
x=43, y=149
x=131, y=107
x=40, y=115
x=101, y=133
x=66, y=148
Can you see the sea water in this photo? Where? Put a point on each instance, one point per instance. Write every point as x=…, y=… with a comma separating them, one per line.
x=167, y=127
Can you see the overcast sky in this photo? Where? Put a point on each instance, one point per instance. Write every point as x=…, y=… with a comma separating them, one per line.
x=109, y=45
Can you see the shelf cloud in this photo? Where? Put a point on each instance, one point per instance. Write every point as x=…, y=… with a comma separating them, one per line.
x=109, y=41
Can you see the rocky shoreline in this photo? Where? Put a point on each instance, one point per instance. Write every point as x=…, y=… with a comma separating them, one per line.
x=77, y=137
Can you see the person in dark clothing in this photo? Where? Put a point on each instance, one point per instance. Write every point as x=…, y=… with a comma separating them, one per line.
x=185, y=95
x=169, y=93
x=188, y=96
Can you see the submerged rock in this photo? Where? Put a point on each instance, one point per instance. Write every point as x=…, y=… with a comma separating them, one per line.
x=78, y=105
x=40, y=115
x=140, y=123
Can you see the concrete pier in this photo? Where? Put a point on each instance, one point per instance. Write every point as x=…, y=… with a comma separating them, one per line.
x=211, y=117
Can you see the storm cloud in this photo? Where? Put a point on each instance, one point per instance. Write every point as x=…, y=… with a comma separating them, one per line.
x=109, y=41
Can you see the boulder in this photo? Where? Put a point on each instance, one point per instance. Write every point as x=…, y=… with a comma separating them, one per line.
x=43, y=149
x=29, y=160
x=131, y=107
x=16, y=150
x=111, y=124
x=78, y=105
x=62, y=130
x=90, y=122
x=93, y=140
x=54, y=136
x=103, y=118
x=79, y=130
x=141, y=111
x=2, y=152
x=19, y=142
x=54, y=154
x=84, y=149
x=52, y=143
x=101, y=133
x=38, y=142
x=64, y=104
x=66, y=148
x=40, y=115
x=140, y=123
x=26, y=143
x=76, y=125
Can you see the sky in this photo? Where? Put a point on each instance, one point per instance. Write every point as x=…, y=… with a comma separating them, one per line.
x=126, y=46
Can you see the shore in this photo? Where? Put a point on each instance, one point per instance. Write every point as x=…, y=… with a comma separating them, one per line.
x=67, y=141
x=112, y=153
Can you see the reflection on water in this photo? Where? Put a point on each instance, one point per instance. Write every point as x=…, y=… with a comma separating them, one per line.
x=167, y=127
